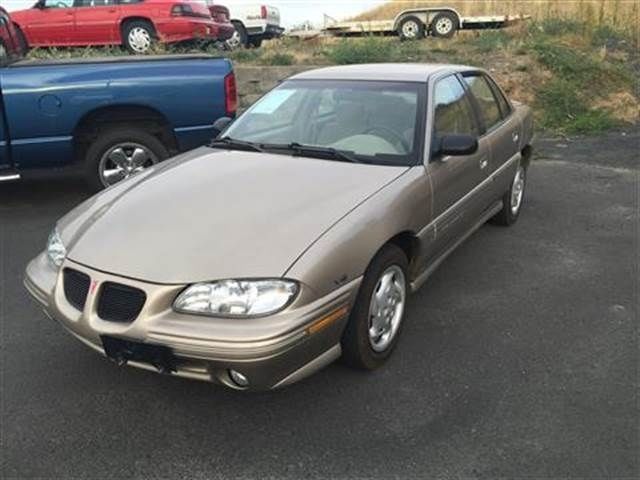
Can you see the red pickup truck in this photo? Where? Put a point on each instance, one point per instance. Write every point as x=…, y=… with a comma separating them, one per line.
x=136, y=24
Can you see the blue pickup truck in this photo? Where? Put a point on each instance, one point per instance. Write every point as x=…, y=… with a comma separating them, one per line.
x=110, y=117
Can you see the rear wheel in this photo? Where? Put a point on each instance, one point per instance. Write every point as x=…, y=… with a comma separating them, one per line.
x=411, y=28
x=444, y=25
x=256, y=41
x=138, y=36
x=119, y=154
x=376, y=318
x=512, y=199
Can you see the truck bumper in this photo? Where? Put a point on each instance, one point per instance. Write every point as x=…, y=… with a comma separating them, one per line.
x=267, y=362
x=267, y=32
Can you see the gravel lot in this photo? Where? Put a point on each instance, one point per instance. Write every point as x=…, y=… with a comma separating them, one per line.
x=519, y=358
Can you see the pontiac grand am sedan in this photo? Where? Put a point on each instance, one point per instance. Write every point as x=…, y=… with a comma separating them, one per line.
x=297, y=235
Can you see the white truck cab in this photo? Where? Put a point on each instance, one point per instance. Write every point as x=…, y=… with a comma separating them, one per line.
x=254, y=23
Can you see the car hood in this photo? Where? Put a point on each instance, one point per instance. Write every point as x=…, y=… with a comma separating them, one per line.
x=214, y=214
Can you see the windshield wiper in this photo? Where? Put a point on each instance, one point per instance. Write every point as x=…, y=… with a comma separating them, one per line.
x=228, y=142
x=315, y=151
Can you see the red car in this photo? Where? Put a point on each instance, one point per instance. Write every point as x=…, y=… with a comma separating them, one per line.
x=136, y=24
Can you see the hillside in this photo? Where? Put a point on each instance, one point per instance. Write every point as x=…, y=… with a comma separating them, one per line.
x=621, y=14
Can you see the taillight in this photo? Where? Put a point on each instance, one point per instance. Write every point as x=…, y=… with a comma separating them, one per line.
x=230, y=95
x=263, y=11
x=182, y=10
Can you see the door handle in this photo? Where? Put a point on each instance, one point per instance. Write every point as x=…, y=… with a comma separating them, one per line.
x=484, y=163
x=515, y=136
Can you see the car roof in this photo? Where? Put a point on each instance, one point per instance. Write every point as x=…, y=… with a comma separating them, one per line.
x=384, y=72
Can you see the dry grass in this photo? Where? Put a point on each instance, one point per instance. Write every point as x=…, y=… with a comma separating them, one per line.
x=624, y=14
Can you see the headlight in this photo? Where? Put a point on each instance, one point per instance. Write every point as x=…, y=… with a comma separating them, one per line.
x=55, y=248
x=236, y=298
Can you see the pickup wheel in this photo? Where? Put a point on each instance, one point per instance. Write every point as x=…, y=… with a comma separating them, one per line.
x=444, y=25
x=411, y=28
x=239, y=37
x=119, y=154
x=512, y=199
x=376, y=318
x=138, y=36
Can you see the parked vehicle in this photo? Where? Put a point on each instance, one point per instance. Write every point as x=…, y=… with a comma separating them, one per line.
x=136, y=24
x=417, y=23
x=222, y=17
x=111, y=117
x=253, y=24
x=297, y=236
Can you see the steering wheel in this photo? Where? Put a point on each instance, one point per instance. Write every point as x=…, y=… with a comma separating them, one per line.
x=396, y=138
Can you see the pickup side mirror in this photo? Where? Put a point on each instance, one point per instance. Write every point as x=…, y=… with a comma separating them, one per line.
x=221, y=124
x=457, y=145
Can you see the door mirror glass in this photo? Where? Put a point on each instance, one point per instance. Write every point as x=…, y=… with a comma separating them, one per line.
x=220, y=125
x=458, y=145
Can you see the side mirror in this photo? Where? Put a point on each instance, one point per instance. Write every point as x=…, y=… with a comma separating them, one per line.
x=458, y=145
x=221, y=124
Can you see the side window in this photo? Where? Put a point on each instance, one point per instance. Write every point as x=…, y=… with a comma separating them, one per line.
x=502, y=101
x=452, y=110
x=58, y=3
x=489, y=109
x=94, y=3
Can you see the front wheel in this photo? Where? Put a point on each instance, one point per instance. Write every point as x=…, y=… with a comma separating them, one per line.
x=512, y=200
x=411, y=28
x=119, y=154
x=376, y=318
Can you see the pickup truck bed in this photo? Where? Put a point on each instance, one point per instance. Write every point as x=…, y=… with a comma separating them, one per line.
x=55, y=110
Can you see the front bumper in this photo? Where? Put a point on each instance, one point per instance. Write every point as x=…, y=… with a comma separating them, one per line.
x=271, y=352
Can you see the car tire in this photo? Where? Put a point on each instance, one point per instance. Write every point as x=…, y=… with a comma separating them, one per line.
x=239, y=37
x=411, y=28
x=138, y=37
x=256, y=41
x=512, y=200
x=359, y=346
x=102, y=155
x=444, y=25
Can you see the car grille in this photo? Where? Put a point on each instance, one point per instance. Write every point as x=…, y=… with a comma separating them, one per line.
x=120, y=303
x=76, y=287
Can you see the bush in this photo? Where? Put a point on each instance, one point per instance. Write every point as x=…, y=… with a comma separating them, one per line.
x=279, y=59
x=366, y=50
x=245, y=55
x=491, y=40
x=556, y=26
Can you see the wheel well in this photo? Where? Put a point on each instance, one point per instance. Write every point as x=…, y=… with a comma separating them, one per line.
x=527, y=153
x=408, y=243
x=125, y=21
x=96, y=121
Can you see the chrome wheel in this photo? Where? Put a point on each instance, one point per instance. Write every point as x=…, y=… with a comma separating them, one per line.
x=139, y=39
x=444, y=26
x=517, y=190
x=386, y=308
x=235, y=41
x=124, y=160
x=410, y=29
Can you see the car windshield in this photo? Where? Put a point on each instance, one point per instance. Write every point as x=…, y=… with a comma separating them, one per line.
x=363, y=121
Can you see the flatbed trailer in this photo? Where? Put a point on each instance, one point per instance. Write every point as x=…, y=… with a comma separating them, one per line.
x=417, y=23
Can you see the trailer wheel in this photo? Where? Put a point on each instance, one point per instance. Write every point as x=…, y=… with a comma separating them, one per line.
x=411, y=28
x=444, y=25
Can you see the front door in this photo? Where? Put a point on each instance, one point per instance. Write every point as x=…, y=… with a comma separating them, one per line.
x=457, y=181
x=52, y=24
x=97, y=22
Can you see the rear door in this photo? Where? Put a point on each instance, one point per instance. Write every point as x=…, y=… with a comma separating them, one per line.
x=501, y=128
x=457, y=181
x=96, y=22
x=52, y=24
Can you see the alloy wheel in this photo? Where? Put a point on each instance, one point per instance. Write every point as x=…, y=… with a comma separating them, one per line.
x=386, y=308
x=123, y=161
